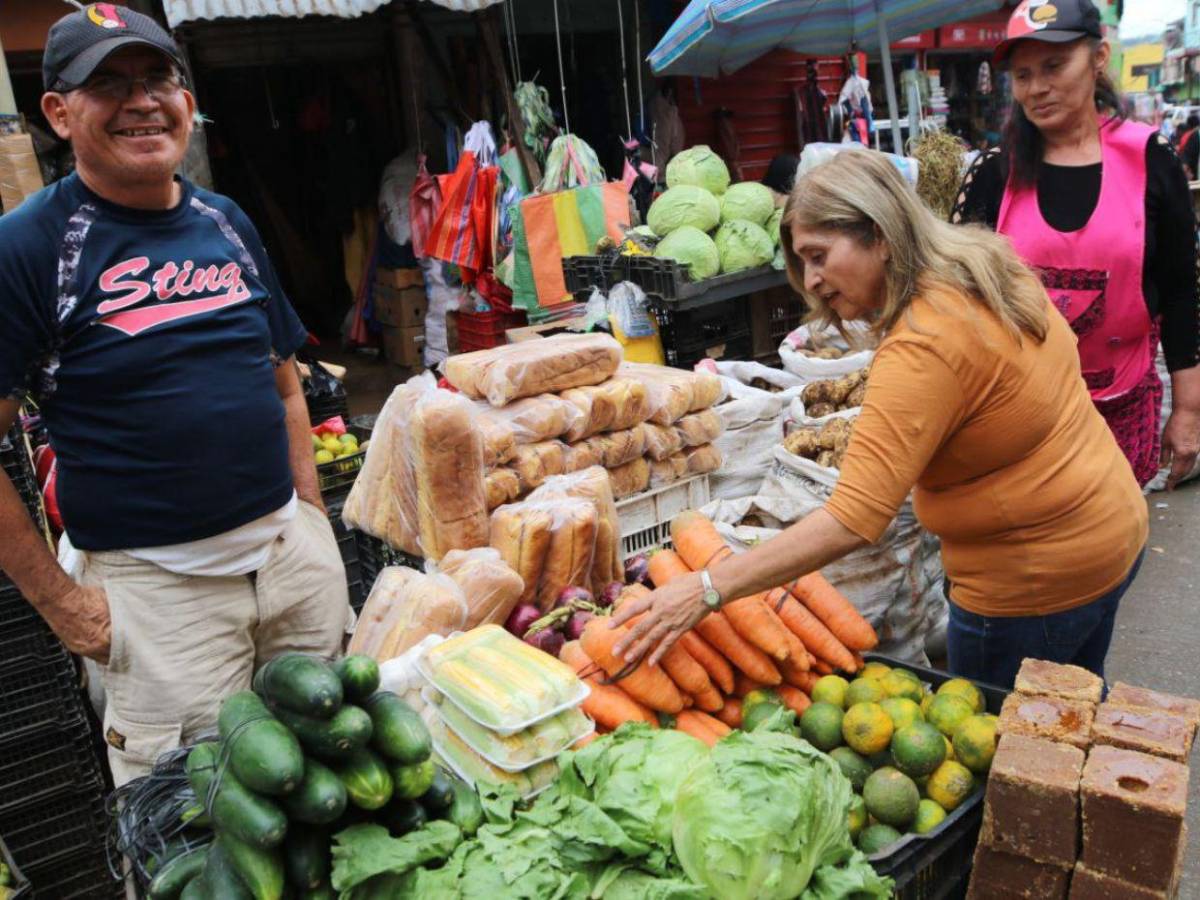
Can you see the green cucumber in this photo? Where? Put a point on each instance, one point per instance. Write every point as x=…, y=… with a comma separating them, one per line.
x=194, y=890
x=366, y=779
x=402, y=816
x=306, y=858
x=235, y=809
x=173, y=876
x=438, y=799
x=221, y=878
x=264, y=754
x=359, y=676
x=412, y=781
x=335, y=738
x=319, y=799
x=261, y=871
x=399, y=732
x=300, y=683
x=465, y=811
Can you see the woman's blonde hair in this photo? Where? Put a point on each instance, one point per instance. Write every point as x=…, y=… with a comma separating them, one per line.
x=862, y=194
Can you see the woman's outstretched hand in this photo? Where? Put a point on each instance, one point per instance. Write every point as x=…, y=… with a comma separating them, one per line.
x=669, y=611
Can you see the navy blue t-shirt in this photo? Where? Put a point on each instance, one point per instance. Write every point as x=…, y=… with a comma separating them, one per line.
x=150, y=340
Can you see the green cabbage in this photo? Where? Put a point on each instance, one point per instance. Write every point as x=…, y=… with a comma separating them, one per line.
x=772, y=225
x=761, y=815
x=693, y=248
x=748, y=200
x=698, y=166
x=683, y=205
x=743, y=245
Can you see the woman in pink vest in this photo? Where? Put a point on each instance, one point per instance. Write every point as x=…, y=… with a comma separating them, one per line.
x=1100, y=207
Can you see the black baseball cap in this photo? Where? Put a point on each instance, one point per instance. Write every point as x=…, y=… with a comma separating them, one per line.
x=80, y=41
x=1052, y=21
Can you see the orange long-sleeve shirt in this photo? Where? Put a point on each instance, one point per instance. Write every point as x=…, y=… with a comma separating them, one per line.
x=1009, y=462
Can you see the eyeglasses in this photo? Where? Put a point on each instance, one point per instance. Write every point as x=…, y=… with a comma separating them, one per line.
x=160, y=86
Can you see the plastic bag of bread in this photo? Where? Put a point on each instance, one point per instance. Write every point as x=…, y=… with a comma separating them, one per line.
x=593, y=485
x=669, y=470
x=382, y=502
x=615, y=405
x=501, y=486
x=491, y=588
x=577, y=457
x=700, y=428
x=547, y=365
x=662, y=441
x=629, y=479
x=549, y=543
x=704, y=459
x=534, y=463
x=532, y=419
x=673, y=393
x=499, y=440
x=619, y=447
x=403, y=608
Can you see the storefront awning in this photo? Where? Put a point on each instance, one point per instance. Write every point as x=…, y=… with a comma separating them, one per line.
x=180, y=11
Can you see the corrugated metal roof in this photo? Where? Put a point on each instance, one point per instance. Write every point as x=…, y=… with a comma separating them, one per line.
x=180, y=11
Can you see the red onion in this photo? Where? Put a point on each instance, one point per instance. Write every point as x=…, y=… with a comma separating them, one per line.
x=610, y=594
x=571, y=595
x=521, y=618
x=637, y=570
x=577, y=623
x=548, y=640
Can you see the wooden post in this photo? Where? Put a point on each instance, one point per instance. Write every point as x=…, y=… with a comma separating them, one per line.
x=490, y=35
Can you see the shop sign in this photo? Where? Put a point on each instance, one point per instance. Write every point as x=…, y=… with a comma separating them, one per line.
x=982, y=33
x=926, y=40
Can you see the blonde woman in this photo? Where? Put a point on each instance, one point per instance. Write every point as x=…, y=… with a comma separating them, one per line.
x=976, y=404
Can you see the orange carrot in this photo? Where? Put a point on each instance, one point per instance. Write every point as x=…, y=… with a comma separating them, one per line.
x=688, y=724
x=794, y=698
x=712, y=723
x=838, y=614
x=609, y=706
x=585, y=740
x=696, y=540
x=715, y=629
x=816, y=637
x=688, y=675
x=665, y=565
x=647, y=684
x=806, y=681
x=822, y=668
x=717, y=667
x=790, y=671
x=757, y=623
x=743, y=685
x=858, y=662
x=731, y=712
x=710, y=700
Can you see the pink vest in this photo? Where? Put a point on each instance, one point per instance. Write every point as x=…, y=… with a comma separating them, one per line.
x=1094, y=275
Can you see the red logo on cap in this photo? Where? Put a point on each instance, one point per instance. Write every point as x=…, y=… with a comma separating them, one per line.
x=1031, y=16
x=105, y=15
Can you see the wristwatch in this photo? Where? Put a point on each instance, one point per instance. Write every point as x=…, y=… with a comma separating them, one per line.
x=712, y=599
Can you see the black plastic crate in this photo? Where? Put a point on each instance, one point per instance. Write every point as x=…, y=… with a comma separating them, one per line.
x=19, y=887
x=347, y=541
x=937, y=865
x=70, y=822
x=81, y=875
x=374, y=555
x=721, y=329
x=336, y=478
x=36, y=692
x=14, y=459
x=23, y=632
x=45, y=760
x=664, y=280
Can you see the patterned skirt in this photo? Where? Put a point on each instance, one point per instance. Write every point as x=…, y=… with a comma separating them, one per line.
x=1135, y=419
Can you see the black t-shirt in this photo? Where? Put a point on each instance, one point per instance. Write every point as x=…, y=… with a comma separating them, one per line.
x=1067, y=196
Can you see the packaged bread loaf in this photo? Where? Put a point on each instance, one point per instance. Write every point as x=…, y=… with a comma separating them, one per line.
x=577, y=457
x=532, y=419
x=491, y=588
x=572, y=546
x=661, y=441
x=550, y=543
x=520, y=533
x=448, y=465
x=499, y=440
x=700, y=428
x=547, y=365
x=673, y=393
x=669, y=470
x=619, y=447
x=617, y=404
x=702, y=460
x=534, y=463
x=501, y=486
x=593, y=485
x=403, y=608
x=629, y=479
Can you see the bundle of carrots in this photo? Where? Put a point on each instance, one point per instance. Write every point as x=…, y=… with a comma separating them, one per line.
x=782, y=640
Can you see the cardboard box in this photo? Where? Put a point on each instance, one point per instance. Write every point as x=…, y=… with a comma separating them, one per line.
x=400, y=278
x=401, y=307
x=20, y=174
x=404, y=346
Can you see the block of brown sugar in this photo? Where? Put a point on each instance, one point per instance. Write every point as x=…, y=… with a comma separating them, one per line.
x=1158, y=733
x=1031, y=807
x=1044, y=716
x=996, y=875
x=1087, y=884
x=1037, y=676
x=1129, y=697
x=1133, y=807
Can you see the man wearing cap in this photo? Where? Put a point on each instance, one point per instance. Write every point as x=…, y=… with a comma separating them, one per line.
x=144, y=316
x=1100, y=207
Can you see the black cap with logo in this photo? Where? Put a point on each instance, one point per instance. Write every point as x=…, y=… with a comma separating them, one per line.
x=79, y=42
x=1052, y=21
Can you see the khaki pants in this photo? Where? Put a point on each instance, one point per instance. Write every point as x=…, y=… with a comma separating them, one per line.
x=181, y=644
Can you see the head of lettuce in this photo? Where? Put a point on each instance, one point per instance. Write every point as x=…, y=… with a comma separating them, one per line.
x=763, y=817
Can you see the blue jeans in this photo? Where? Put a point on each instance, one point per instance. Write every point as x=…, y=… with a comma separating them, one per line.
x=991, y=648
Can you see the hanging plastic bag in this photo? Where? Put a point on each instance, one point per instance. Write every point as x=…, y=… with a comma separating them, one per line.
x=424, y=203
x=571, y=163
x=634, y=325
